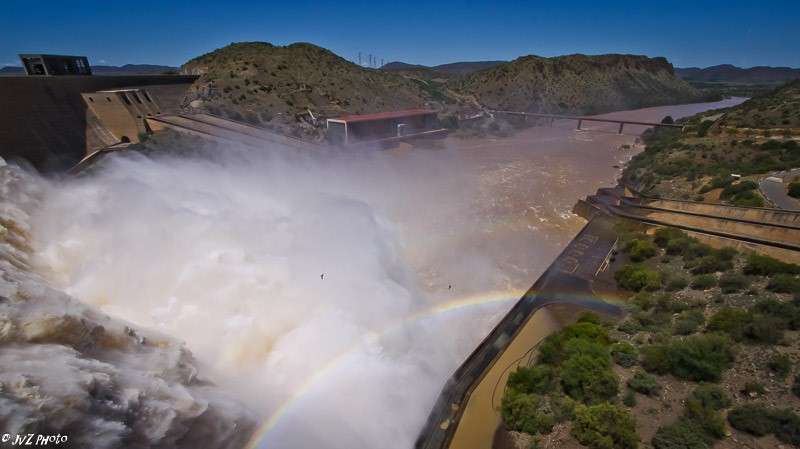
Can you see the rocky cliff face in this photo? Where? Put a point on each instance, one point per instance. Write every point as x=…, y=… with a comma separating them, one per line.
x=576, y=84
x=68, y=369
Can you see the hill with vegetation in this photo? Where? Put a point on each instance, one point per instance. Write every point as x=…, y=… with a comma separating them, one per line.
x=576, y=84
x=707, y=354
x=261, y=83
x=751, y=139
x=728, y=80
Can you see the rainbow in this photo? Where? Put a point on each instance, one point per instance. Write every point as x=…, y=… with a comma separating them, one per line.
x=499, y=297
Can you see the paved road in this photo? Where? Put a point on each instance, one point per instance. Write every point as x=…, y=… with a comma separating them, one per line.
x=776, y=192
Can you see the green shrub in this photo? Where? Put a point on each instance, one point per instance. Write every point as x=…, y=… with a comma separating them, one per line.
x=698, y=357
x=678, y=246
x=624, y=354
x=759, y=421
x=738, y=188
x=784, y=310
x=536, y=379
x=587, y=331
x=703, y=282
x=753, y=419
x=656, y=358
x=780, y=364
x=581, y=346
x=630, y=326
x=682, y=434
x=731, y=321
x=644, y=383
x=703, y=408
x=563, y=407
x=688, y=322
x=711, y=263
x=784, y=283
x=685, y=327
x=768, y=266
x=764, y=329
x=732, y=283
x=667, y=303
x=605, y=426
x=589, y=379
x=551, y=350
x=695, y=250
x=677, y=283
x=525, y=413
x=636, y=278
x=643, y=300
x=629, y=400
x=640, y=250
x=787, y=426
x=701, y=357
x=587, y=316
x=748, y=199
x=794, y=189
x=663, y=236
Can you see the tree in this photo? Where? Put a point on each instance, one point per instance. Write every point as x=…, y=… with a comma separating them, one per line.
x=527, y=413
x=605, y=426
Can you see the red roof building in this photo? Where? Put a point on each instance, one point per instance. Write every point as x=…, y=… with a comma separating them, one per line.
x=382, y=126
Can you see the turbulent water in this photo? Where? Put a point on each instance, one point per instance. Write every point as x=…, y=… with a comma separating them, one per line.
x=329, y=296
x=68, y=371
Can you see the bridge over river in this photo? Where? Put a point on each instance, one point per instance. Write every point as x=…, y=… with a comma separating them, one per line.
x=580, y=119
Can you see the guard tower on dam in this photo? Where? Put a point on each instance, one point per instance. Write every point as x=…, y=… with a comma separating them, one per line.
x=54, y=65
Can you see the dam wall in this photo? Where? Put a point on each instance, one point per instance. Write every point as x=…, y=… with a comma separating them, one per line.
x=762, y=215
x=45, y=121
x=763, y=232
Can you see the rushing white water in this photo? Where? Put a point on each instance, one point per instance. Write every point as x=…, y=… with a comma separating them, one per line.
x=285, y=279
x=72, y=373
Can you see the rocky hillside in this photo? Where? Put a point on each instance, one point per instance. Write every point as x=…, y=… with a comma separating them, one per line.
x=752, y=139
x=774, y=110
x=261, y=83
x=576, y=84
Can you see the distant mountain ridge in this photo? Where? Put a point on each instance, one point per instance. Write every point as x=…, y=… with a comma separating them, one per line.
x=453, y=68
x=107, y=69
x=576, y=84
x=731, y=73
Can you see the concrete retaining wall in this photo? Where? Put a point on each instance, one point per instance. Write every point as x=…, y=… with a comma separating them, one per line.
x=743, y=213
x=790, y=236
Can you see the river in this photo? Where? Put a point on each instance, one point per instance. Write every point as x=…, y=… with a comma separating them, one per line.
x=333, y=295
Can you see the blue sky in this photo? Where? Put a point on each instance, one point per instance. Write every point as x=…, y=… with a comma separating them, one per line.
x=687, y=33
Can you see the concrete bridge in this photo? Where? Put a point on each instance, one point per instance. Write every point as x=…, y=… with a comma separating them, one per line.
x=581, y=119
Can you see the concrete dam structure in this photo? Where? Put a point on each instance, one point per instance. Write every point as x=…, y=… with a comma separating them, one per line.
x=46, y=121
